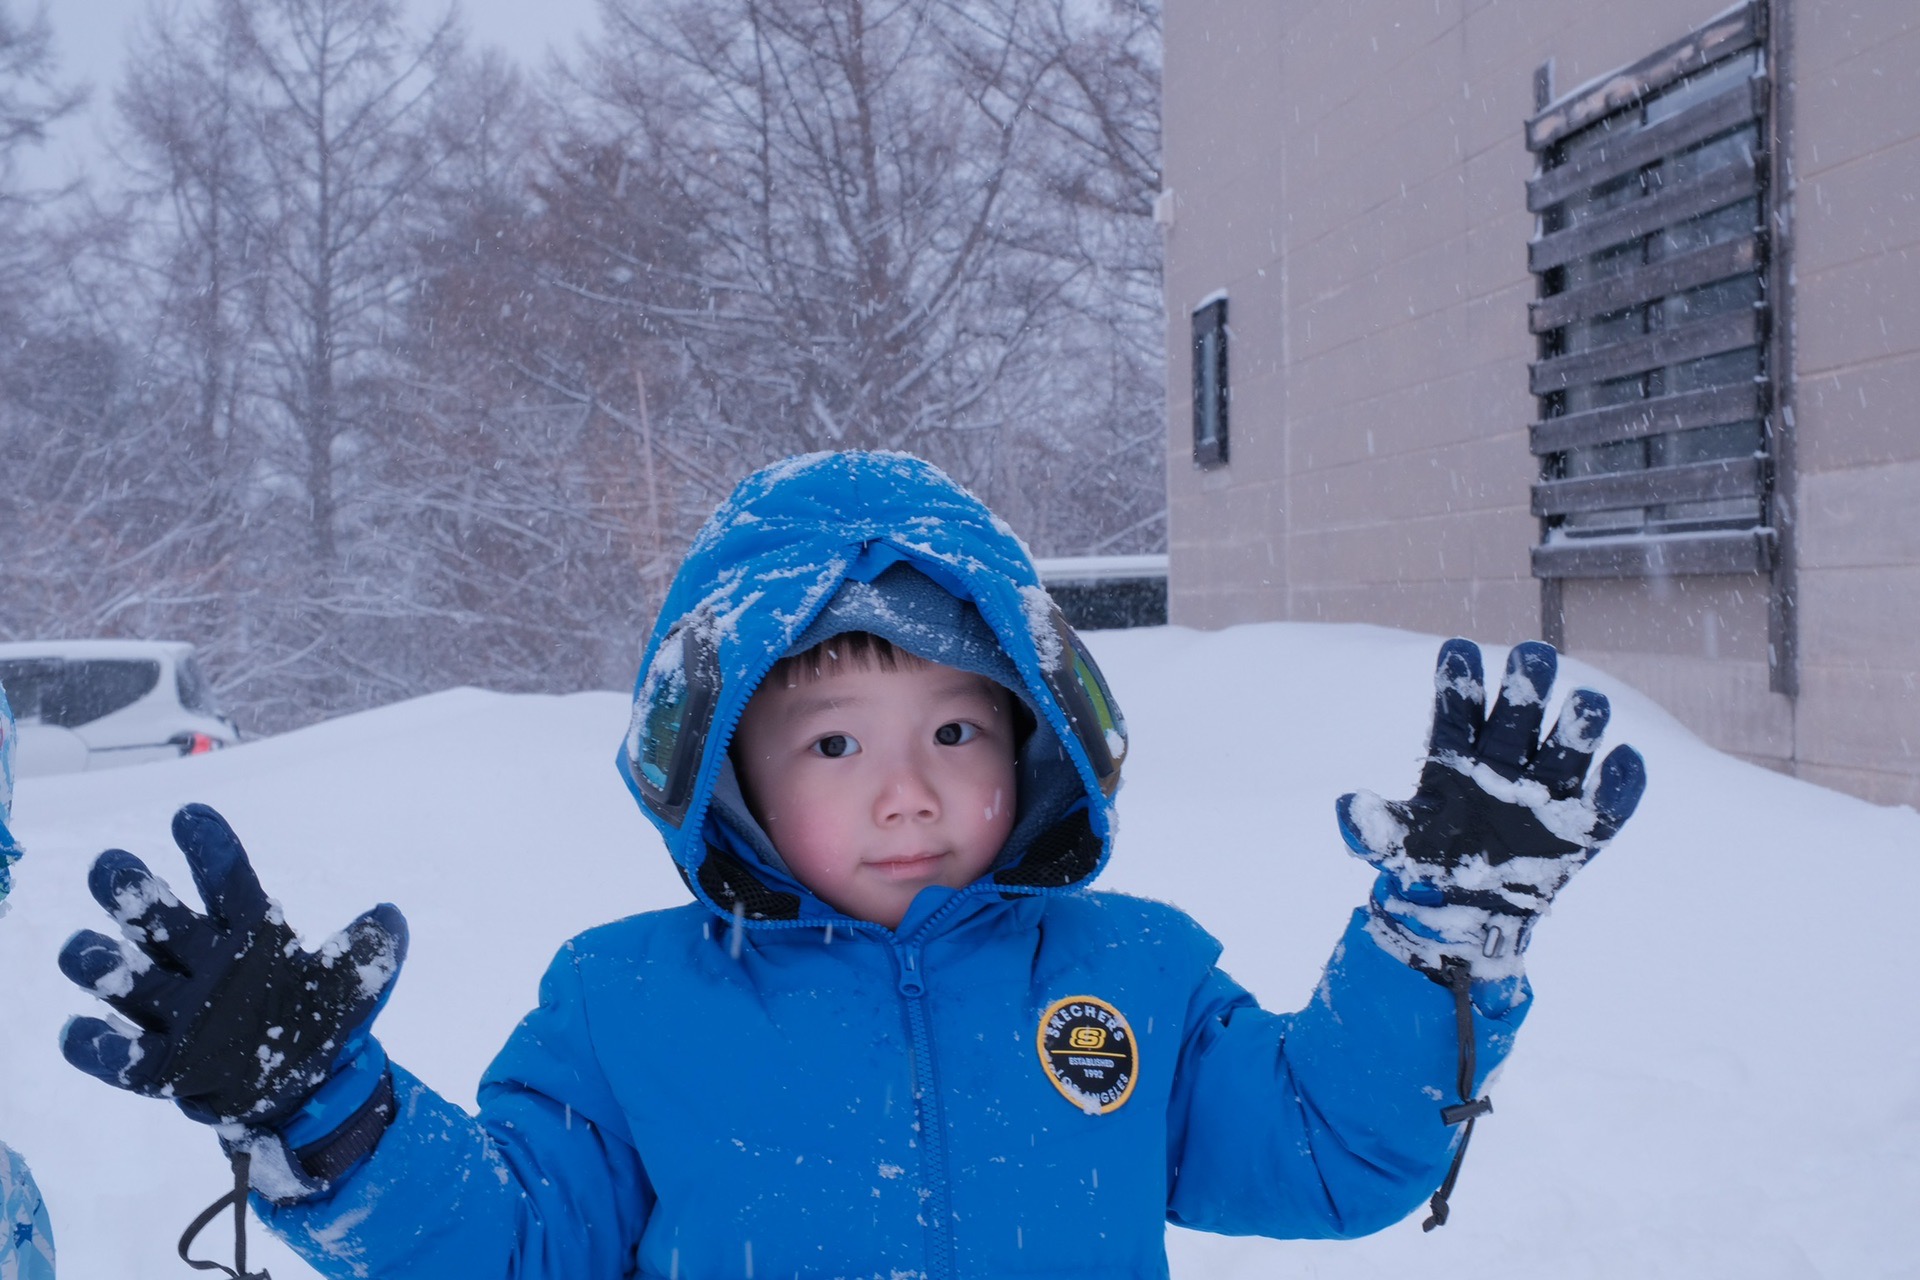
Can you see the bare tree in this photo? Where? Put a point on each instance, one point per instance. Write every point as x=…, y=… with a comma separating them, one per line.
x=386, y=368
x=513, y=495
x=865, y=276
x=32, y=96
x=190, y=172
x=55, y=380
x=339, y=127
x=560, y=445
x=913, y=230
x=206, y=457
x=1086, y=473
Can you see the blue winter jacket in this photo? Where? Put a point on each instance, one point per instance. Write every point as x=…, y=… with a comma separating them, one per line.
x=9, y=847
x=1025, y=1078
x=26, y=1240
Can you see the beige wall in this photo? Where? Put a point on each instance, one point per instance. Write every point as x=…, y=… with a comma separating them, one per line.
x=1352, y=175
x=1857, y=299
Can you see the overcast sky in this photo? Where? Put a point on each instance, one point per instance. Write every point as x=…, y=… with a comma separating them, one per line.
x=90, y=37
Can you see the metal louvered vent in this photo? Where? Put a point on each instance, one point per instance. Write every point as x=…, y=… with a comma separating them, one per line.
x=1654, y=431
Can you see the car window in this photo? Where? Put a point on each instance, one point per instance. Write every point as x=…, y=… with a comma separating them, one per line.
x=26, y=681
x=71, y=694
x=195, y=693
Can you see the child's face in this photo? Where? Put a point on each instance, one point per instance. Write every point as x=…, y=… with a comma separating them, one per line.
x=874, y=784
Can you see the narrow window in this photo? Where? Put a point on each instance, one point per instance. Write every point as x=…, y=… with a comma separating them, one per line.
x=1210, y=383
x=1653, y=314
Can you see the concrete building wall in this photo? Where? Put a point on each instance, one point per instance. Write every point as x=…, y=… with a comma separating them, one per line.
x=1856, y=146
x=1352, y=174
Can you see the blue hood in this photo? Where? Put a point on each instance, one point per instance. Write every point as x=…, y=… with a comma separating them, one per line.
x=759, y=573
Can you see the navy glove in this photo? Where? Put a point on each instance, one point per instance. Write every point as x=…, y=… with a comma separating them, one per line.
x=232, y=1019
x=1499, y=821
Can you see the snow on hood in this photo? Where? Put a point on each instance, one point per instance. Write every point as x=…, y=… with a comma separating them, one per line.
x=760, y=570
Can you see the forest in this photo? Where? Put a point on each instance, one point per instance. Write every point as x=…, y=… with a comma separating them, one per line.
x=374, y=363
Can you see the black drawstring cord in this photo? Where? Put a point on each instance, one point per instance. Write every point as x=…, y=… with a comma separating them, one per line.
x=238, y=1199
x=1457, y=978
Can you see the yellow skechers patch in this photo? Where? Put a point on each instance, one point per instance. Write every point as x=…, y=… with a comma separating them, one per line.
x=1089, y=1053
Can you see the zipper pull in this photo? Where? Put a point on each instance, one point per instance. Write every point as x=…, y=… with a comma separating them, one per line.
x=910, y=983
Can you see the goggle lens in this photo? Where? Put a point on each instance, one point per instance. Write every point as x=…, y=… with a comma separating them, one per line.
x=1090, y=707
x=664, y=753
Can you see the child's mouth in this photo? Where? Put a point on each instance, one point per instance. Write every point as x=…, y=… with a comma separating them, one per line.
x=909, y=867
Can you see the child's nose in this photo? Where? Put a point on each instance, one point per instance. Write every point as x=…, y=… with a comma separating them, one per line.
x=907, y=797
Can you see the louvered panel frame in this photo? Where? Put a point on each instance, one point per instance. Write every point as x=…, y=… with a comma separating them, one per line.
x=1674, y=511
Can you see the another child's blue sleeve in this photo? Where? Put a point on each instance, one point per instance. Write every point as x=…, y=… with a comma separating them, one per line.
x=1325, y=1122
x=26, y=1237
x=545, y=1183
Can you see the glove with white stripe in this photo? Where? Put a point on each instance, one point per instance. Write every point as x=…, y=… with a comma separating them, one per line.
x=231, y=1017
x=1499, y=821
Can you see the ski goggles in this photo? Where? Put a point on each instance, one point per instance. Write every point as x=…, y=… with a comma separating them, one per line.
x=1081, y=691
x=673, y=715
x=671, y=719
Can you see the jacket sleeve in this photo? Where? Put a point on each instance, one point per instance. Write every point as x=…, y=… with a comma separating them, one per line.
x=26, y=1238
x=1325, y=1122
x=546, y=1182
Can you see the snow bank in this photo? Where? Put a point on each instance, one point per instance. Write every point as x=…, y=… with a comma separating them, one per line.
x=1721, y=1077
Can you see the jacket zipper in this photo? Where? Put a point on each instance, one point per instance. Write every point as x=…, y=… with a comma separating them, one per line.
x=943, y=1254
x=942, y=1263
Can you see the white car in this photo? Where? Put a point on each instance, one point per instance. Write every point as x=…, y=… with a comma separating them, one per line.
x=100, y=704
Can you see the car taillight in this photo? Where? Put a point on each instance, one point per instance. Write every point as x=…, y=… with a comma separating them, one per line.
x=197, y=744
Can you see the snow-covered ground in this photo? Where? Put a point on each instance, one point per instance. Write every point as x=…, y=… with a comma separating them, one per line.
x=1721, y=1076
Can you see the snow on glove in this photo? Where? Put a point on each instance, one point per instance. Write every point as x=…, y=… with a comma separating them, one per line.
x=232, y=1018
x=1499, y=821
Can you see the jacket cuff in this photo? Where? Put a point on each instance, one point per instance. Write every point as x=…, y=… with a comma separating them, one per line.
x=325, y=1141
x=329, y=1108
x=1426, y=937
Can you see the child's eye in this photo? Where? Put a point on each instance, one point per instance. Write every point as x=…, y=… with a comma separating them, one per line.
x=955, y=732
x=835, y=745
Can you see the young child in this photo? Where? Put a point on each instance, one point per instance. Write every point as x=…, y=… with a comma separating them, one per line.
x=26, y=1239
x=895, y=1034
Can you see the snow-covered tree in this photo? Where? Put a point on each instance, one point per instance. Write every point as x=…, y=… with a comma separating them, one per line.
x=274, y=153
x=893, y=207
x=374, y=367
